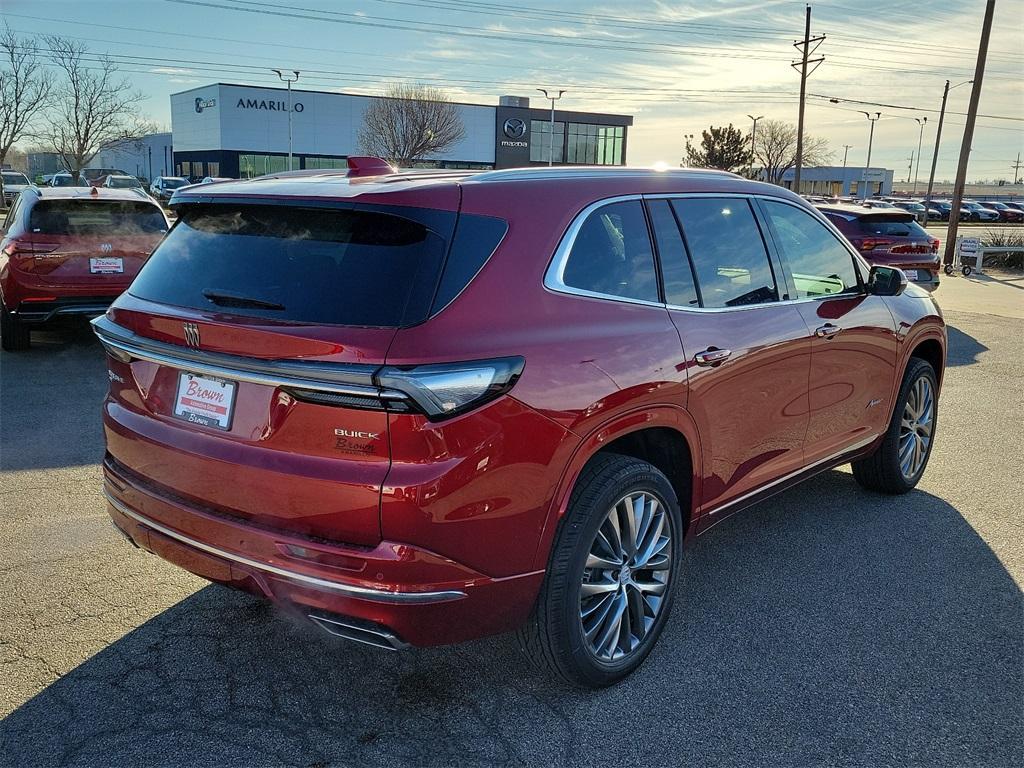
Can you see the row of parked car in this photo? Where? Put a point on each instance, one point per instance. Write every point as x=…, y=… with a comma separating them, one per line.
x=988, y=211
x=162, y=187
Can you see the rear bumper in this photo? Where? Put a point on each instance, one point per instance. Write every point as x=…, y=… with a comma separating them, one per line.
x=391, y=595
x=44, y=311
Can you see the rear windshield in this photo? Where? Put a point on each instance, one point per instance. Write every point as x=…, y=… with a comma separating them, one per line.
x=124, y=182
x=174, y=183
x=337, y=266
x=15, y=178
x=891, y=225
x=96, y=217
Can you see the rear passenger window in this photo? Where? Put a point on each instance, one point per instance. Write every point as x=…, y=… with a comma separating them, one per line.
x=727, y=251
x=612, y=254
x=675, y=265
x=820, y=264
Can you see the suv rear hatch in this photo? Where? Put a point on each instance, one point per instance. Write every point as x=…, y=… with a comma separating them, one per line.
x=895, y=236
x=254, y=340
x=89, y=243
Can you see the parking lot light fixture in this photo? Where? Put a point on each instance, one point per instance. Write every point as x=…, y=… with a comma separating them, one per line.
x=921, y=121
x=753, y=136
x=288, y=79
x=871, y=138
x=551, y=137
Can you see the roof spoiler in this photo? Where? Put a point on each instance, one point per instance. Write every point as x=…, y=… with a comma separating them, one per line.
x=369, y=166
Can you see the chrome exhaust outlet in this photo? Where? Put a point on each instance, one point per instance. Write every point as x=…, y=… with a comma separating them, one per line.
x=366, y=633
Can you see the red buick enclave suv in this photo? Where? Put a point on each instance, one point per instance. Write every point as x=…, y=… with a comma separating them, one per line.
x=70, y=251
x=419, y=408
x=891, y=237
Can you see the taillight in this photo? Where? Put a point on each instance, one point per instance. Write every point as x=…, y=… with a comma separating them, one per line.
x=447, y=389
x=869, y=244
x=935, y=246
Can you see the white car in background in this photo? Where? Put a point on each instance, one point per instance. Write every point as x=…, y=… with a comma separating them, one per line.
x=122, y=182
x=14, y=183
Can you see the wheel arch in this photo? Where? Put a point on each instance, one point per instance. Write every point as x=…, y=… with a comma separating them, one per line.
x=666, y=436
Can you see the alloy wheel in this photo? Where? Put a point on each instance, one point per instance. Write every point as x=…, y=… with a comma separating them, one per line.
x=916, y=426
x=626, y=576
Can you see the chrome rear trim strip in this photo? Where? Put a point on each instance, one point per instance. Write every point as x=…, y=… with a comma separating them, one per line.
x=338, y=379
x=348, y=590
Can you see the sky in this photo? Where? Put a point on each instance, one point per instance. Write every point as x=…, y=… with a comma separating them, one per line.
x=677, y=67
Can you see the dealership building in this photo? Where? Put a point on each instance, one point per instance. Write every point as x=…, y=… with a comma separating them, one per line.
x=240, y=131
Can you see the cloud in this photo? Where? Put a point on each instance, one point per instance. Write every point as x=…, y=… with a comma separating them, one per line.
x=172, y=71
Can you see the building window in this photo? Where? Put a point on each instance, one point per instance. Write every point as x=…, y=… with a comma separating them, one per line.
x=591, y=144
x=213, y=169
x=541, y=141
x=250, y=166
x=325, y=163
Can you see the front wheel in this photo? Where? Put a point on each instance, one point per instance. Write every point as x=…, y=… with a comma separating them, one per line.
x=898, y=463
x=612, y=573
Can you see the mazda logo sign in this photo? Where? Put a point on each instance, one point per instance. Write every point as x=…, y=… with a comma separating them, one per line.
x=514, y=128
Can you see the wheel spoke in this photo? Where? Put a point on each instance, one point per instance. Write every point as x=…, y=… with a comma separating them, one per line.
x=629, y=523
x=613, y=624
x=601, y=563
x=652, y=587
x=591, y=588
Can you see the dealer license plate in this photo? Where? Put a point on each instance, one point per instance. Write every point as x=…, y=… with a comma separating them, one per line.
x=911, y=274
x=106, y=265
x=204, y=400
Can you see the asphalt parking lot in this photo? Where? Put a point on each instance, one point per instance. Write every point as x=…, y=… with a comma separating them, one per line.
x=826, y=626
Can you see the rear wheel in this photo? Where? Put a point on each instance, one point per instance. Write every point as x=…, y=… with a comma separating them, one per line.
x=612, y=574
x=14, y=334
x=898, y=463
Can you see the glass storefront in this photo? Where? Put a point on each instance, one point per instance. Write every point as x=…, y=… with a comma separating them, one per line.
x=590, y=144
x=250, y=166
x=541, y=141
x=325, y=163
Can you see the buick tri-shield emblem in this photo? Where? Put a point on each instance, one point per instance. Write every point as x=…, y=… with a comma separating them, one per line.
x=106, y=248
x=192, y=335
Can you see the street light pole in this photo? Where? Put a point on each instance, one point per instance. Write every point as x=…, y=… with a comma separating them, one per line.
x=551, y=136
x=922, y=121
x=846, y=151
x=871, y=139
x=289, y=80
x=753, y=136
x=938, y=137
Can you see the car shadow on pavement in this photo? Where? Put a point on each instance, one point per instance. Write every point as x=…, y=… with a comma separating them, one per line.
x=962, y=349
x=825, y=626
x=50, y=399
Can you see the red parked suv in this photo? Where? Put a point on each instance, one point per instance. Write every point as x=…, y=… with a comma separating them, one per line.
x=71, y=251
x=421, y=408
x=892, y=237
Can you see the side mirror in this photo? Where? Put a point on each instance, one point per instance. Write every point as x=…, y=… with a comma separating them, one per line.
x=887, y=281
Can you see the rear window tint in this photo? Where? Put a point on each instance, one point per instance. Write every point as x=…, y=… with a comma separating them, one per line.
x=337, y=266
x=96, y=217
x=894, y=226
x=476, y=237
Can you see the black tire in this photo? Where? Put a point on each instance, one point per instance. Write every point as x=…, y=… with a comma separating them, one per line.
x=966, y=271
x=948, y=269
x=553, y=637
x=14, y=334
x=881, y=470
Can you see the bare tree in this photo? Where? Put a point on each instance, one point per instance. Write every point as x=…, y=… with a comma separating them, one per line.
x=25, y=90
x=775, y=149
x=409, y=124
x=94, y=107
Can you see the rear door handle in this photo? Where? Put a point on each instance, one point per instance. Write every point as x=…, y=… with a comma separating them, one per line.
x=712, y=356
x=827, y=331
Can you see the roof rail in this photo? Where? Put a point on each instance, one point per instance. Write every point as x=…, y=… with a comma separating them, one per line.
x=592, y=172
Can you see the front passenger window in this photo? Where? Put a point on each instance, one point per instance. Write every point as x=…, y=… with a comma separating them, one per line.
x=820, y=264
x=612, y=254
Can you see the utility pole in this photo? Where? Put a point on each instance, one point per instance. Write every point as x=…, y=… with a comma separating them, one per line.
x=965, y=147
x=1016, y=170
x=846, y=151
x=910, y=167
x=871, y=139
x=804, y=46
x=289, y=80
x=753, y=136
x=922, y=121
x=551, y=136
